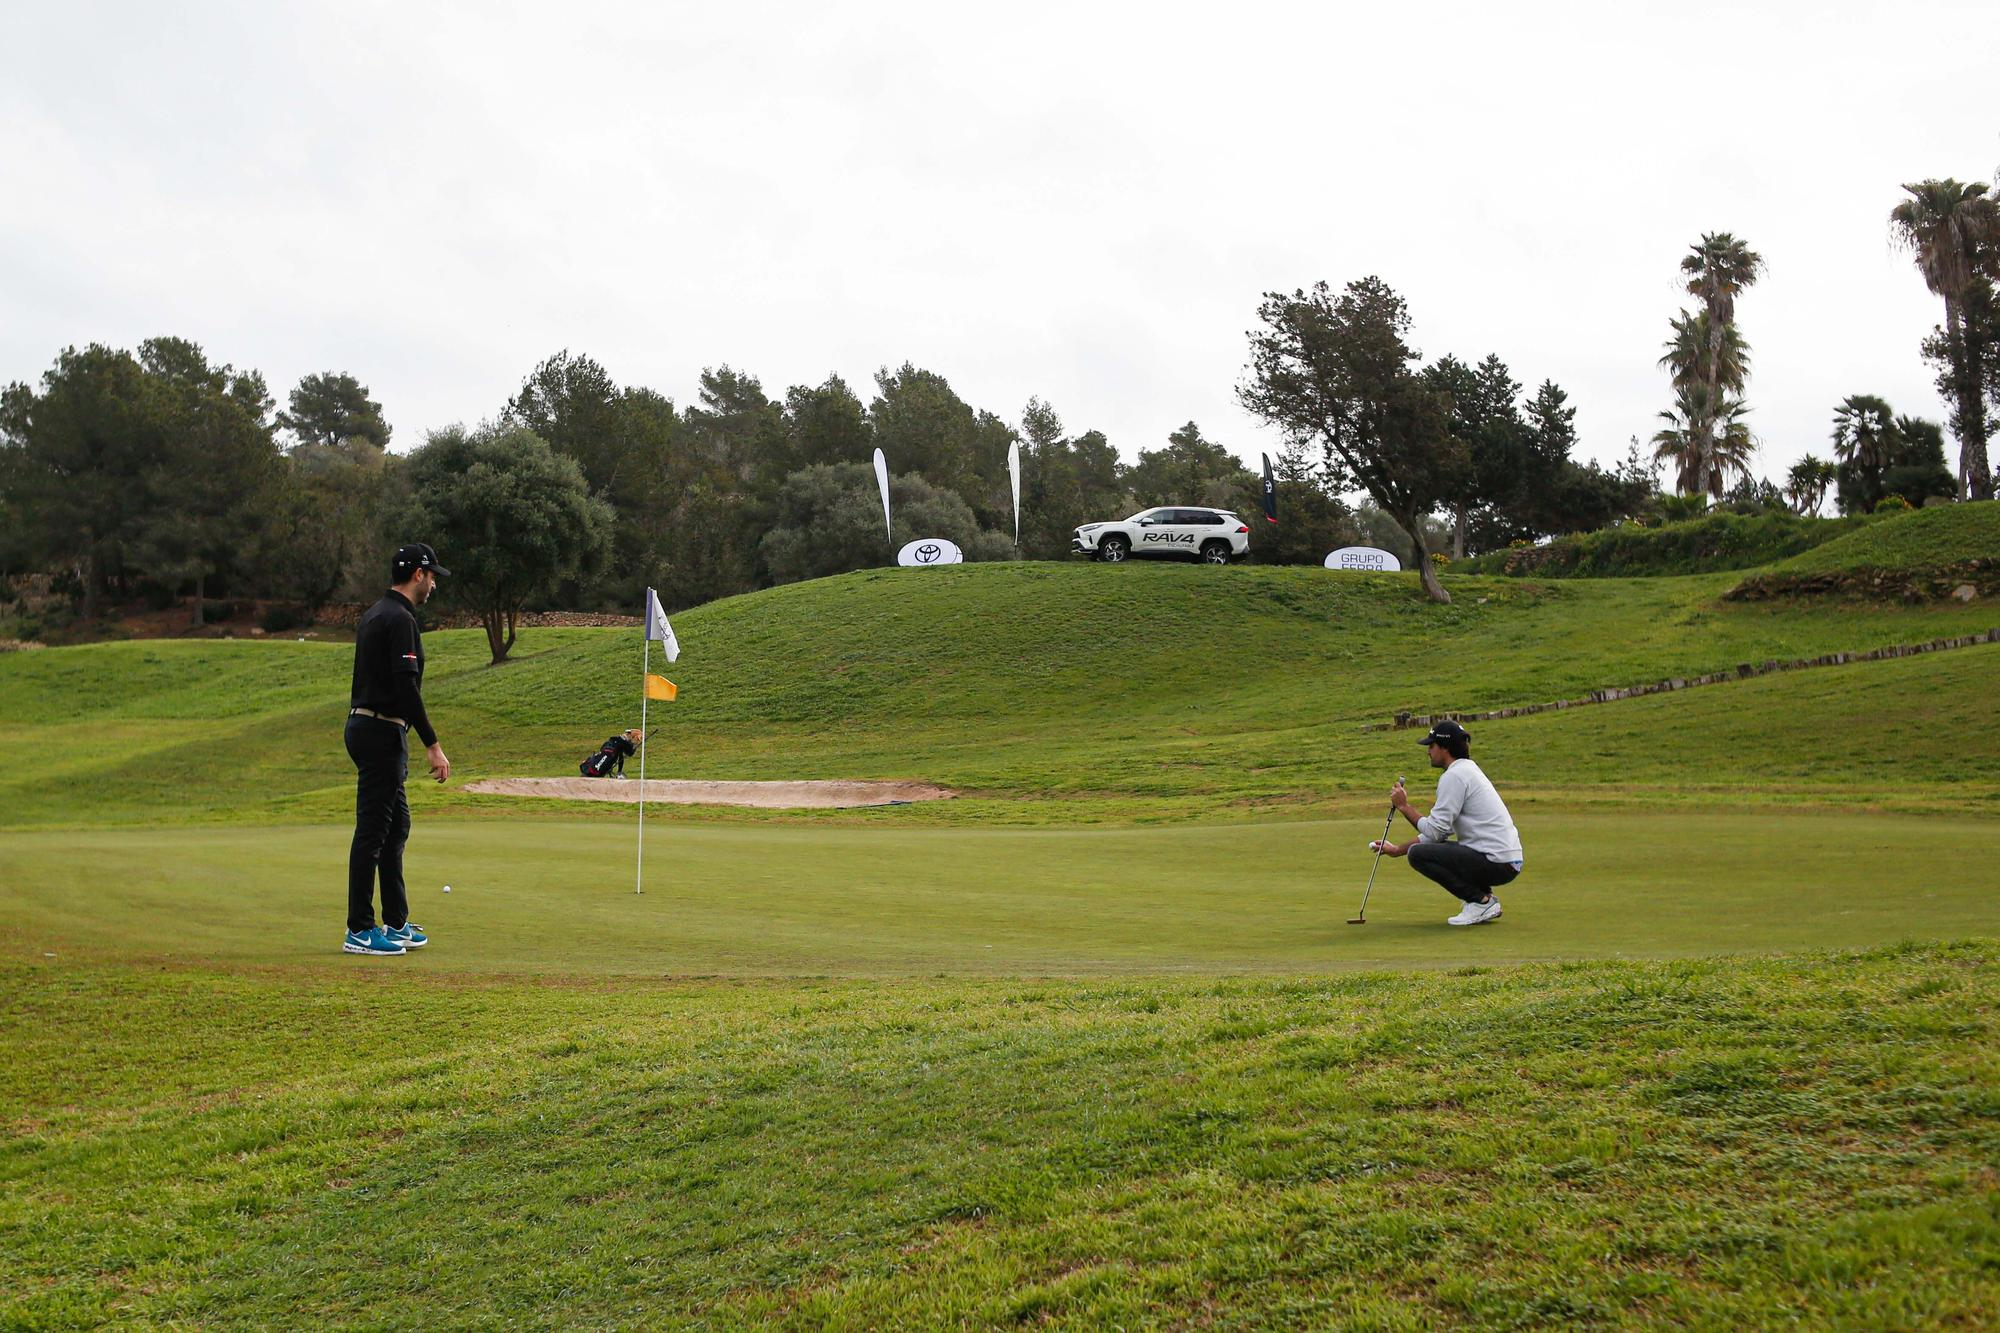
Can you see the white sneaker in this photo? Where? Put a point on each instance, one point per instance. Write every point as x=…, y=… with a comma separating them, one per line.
x=1476, y=913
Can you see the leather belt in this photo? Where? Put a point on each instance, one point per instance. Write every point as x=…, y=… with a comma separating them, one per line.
x=380, y=717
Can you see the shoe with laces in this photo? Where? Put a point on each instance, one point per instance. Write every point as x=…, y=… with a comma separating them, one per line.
x=375, y=940
x=410, y=935
x=1476, y=914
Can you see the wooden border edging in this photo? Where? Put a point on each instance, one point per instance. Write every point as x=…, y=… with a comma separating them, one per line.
x=1743, y=671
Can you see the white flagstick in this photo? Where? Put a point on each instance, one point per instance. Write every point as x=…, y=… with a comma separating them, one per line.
x=645, y=667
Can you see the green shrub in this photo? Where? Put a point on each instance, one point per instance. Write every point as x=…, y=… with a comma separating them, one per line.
x=1718, y=540
x=1680, y=508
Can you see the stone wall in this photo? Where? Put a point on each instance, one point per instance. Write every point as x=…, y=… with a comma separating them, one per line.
x=1966, y=581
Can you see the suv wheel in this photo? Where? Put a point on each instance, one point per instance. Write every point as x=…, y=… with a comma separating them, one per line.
x=1215, y=552
x=1113, y=549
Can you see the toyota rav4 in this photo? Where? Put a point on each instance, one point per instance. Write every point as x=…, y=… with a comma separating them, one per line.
x=1214, y=536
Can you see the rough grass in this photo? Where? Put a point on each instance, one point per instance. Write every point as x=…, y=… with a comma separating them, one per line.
x=1731, y=1144
x=1921, y=539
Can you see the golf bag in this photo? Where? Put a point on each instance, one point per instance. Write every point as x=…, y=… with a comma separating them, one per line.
x=611, y=756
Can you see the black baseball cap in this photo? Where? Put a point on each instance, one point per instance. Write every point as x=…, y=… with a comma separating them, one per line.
x=416, y=556
x=1445, y=732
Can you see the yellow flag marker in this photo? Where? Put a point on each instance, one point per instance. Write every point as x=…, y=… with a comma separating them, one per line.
x=659, y=687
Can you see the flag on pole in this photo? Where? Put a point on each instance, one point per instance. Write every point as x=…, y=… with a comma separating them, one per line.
x=657, y=628
x=651, y=687
x=1270, y=492
x=882, y=480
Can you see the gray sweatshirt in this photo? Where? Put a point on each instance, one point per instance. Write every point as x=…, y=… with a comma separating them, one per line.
x=1468, y=805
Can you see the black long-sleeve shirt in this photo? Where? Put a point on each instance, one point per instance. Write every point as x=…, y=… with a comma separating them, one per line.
x=389, y=664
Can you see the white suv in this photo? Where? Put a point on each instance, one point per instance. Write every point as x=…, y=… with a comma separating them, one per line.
x=1214, y=536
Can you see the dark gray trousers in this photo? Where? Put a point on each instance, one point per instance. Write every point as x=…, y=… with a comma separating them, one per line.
x=381, y=756
x=1468, y=874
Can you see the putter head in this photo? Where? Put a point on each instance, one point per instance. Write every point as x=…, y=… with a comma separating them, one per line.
x=1357, y=921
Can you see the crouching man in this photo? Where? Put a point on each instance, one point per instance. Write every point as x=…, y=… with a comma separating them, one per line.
x=1487, y=852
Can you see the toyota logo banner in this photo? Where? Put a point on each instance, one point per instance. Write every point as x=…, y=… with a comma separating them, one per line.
x=1369, y=559
x=930, y=551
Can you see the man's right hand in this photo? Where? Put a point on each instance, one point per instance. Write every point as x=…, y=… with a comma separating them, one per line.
x=1398, y=797
x=440, y=766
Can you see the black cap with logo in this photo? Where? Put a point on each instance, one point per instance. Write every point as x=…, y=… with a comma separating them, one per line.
x=1445, y=732
x=413, y=557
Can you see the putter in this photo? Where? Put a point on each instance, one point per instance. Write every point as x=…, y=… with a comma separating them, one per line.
x=1362, y=919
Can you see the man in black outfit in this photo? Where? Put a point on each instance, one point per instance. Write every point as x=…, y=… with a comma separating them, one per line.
x=386, y=701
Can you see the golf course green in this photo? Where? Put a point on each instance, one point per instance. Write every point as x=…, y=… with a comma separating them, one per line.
x=1089, y=1044
x=764, y=900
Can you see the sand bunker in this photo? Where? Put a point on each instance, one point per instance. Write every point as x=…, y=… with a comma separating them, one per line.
x=679, y=791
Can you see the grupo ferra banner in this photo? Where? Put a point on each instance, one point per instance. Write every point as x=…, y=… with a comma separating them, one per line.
x=1369, y=559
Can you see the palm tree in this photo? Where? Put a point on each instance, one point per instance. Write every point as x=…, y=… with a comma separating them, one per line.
x=1807, y=483
x=1709, y=361
x=1864, y=432
x=1705, y=444
x=1952, y=230
x=1680, y=508
x=1718, y=268
x=1687, y=352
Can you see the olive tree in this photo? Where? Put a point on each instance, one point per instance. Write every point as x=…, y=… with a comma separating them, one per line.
x=1334, y=372
x=511, y=518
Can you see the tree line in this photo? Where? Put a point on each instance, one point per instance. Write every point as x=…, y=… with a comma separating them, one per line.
x=156, y=473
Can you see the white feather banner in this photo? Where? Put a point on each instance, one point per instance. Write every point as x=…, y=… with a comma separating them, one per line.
x=1014, y=474
x=882, y=480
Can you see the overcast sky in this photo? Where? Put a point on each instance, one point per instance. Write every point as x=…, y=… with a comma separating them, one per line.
x=1076, y=201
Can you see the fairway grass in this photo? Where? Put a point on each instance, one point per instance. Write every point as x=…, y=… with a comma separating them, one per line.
x=1722, y=1144
x=1054, y=695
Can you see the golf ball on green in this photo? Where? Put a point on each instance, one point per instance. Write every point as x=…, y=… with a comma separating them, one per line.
x=447, y=888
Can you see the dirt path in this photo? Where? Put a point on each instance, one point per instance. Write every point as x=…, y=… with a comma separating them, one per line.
x=678, y=791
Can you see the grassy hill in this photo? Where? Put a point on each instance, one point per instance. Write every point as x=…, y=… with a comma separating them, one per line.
x=1920, y=539
x=1052, y=693
x=1717, y=541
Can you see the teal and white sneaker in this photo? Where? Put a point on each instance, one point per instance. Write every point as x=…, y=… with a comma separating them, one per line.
x=410, y=935
x=371, y=941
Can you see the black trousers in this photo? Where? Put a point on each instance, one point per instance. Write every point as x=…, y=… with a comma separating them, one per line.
x=1468, y=874
x=381, y=754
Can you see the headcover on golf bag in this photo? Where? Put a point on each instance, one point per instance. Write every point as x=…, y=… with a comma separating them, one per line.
x=611, y=755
